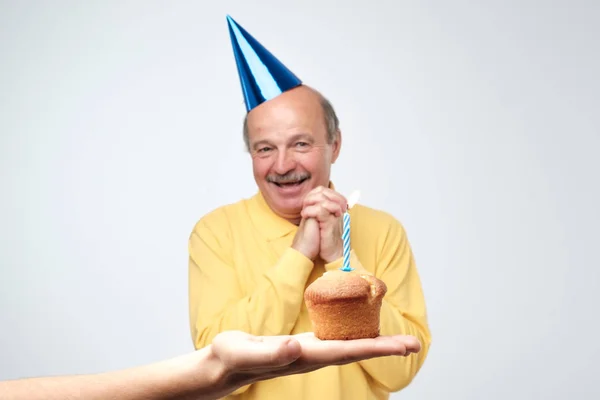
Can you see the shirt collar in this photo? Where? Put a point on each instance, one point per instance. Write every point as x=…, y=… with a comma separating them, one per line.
x=271, y=225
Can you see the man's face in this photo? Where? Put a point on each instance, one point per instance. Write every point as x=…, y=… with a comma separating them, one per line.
x=290, y=151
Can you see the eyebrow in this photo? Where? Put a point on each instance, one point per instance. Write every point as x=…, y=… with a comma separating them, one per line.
x=303, y=136
x=300, y=136
x=260, y=142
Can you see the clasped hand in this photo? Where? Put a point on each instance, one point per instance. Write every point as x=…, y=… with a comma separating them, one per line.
x=320, y=230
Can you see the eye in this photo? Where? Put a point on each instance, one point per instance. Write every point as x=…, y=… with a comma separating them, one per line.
x=263, y=149
x=301, y=144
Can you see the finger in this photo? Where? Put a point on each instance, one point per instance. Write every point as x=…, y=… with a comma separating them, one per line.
x=315, y=191
x=267, y=354
x=412, y=345
x=336, y=197
x=297, y=337
x=317, y=354
x=314, y=198
x=322, y=211
x=338, y=352
x=324, y=195
x=316, y=211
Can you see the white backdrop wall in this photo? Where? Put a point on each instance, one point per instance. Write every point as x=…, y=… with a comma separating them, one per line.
x=476, y=124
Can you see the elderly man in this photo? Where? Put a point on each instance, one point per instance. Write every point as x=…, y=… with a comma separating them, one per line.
x=250, y=262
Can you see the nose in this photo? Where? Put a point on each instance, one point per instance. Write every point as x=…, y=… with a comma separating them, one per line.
x=285, y=163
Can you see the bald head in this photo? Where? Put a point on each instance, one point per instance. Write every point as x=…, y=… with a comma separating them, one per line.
x=301, y=94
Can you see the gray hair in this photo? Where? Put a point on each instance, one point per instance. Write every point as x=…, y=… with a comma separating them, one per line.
x=332, y=123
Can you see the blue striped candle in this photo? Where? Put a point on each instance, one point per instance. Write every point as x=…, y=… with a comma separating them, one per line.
x=346, y=242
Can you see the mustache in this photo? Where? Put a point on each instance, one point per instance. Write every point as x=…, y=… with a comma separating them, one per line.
x=288, y=178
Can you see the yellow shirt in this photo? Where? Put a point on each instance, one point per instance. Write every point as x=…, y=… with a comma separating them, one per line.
x=243, y=275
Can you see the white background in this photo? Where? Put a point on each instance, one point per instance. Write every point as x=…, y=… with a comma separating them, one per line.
x=475, y=123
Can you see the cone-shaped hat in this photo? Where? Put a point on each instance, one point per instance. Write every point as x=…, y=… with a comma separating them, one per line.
x=262, y=75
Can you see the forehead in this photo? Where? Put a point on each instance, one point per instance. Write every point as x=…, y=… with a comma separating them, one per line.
x=298, y=110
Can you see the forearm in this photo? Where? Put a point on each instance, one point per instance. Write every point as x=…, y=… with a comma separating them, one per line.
x=395, y=373
x=174, y=379
x=271, y=309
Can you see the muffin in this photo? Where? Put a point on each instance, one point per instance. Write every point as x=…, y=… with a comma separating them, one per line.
x=345, y=305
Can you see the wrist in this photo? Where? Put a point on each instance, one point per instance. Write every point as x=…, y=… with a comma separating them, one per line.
x=333, y=256
x=302, y=250
x=204, y=375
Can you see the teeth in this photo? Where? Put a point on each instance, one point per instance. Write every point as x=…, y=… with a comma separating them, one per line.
x=289, y=183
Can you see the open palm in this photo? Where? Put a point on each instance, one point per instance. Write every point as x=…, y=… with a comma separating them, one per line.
x=247, y=358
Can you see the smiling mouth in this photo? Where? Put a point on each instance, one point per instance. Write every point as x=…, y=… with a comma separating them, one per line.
x=290, y=184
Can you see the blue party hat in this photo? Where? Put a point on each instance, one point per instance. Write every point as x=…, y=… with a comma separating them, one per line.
x=262, y=75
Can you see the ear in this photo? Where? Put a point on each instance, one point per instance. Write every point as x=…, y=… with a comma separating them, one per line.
x=336, y=145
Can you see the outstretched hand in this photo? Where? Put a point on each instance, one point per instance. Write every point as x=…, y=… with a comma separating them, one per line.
x=234, y=359
x=246, y=358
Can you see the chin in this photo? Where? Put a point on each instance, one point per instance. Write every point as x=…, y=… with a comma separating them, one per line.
x=289, y=207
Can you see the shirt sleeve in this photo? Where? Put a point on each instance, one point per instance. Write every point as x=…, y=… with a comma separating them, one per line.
x=217, y=302
x=403, y=309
